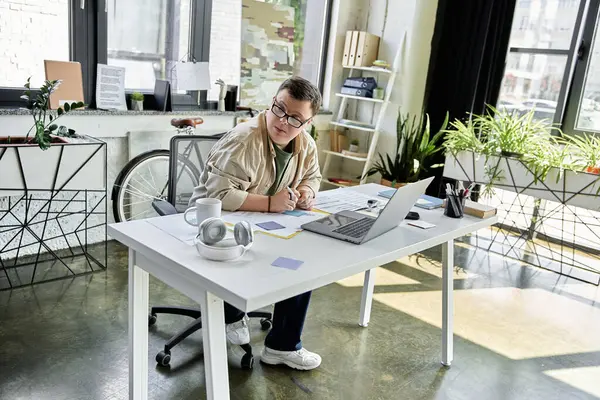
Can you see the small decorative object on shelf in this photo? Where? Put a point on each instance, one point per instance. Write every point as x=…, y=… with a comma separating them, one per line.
x=222, y=94
x=137, y=101
x=381, y=64
x=378, y=93
x=354, y=146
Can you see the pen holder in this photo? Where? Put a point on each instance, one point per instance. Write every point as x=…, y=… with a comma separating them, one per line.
x=455, y=206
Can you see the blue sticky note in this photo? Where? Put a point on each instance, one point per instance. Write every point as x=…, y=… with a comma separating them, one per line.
x=288, y=263
x=270, y=225
x=295, y=213
x=387, y=193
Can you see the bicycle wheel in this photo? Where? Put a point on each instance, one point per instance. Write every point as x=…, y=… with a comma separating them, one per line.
x=144, y=179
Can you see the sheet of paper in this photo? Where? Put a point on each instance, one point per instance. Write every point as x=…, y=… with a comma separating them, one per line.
x=333, y=201
x=110, y=88
x=420, y=224
x=193, y=76
x=291, y=223
x=176, y=227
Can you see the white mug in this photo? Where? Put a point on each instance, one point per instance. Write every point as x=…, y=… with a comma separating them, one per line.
x=204, y=208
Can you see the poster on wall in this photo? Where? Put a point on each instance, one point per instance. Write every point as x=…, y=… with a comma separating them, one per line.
x=267, y=51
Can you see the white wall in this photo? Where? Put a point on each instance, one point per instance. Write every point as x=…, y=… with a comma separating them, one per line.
x=417, y=19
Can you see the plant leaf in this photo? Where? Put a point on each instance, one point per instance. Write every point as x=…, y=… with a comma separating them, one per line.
x=67, y=107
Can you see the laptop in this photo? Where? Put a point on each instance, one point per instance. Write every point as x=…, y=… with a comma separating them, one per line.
x=358, y=228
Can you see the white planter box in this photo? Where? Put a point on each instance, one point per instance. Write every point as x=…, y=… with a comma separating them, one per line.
x=574, y=188
x=78, y=164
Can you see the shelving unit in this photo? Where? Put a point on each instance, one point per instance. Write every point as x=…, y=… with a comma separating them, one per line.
x=361, y=126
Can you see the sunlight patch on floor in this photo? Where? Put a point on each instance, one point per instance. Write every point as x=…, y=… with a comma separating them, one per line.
x=585, y=378
x=516, y=323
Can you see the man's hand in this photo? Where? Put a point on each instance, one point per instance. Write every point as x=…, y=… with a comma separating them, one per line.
x=306, y=200
x=281, y=202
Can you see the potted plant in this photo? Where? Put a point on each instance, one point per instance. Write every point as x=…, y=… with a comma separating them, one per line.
x=414, y=146
x=520, y=153
x=67, y=160
x=585, y=152
x=137, y=101
x=45, y=129
x=314, y=133
x=354, y=146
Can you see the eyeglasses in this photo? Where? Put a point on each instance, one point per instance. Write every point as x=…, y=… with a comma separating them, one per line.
x=292, y=121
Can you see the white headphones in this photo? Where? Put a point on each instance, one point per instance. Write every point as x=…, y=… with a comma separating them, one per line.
x=211, y=242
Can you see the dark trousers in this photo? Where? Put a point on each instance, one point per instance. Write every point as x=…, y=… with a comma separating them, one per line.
x=288, y=321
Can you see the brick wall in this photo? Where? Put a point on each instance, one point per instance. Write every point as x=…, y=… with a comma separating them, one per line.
x=31, y=31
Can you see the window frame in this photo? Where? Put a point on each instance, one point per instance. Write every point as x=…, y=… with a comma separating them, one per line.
x=576, y=67
x=582, y=58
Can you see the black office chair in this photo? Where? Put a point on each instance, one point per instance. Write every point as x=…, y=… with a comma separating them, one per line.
x=188, y=155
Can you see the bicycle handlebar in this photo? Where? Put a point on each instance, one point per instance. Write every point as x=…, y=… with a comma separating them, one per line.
x=185, y=122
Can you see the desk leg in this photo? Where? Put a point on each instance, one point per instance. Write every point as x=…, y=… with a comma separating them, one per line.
x=367, y=297
x=138, y=330
x=215, y=347
x=447, y=302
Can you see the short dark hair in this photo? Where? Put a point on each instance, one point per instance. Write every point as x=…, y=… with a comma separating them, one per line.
x=303, y=90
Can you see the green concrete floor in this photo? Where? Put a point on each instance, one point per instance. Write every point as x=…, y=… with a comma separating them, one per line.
x=521, y=333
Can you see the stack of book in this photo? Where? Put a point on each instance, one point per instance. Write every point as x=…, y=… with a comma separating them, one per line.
x=360, y=49
x=359, y=86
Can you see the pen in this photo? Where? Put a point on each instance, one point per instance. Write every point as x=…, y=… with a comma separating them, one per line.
x=291, y=193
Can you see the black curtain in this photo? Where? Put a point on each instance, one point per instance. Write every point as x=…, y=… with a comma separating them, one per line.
x=469, y=48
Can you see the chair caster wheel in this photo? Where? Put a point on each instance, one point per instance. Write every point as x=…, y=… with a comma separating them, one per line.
x=247, y=361
x=151, y=319
x=266, y=324
x=163, y=359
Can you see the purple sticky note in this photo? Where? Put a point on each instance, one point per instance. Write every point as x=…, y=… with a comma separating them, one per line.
x=270, y=225
x=288, y=263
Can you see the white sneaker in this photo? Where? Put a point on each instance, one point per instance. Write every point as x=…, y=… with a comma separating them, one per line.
x=300, y=359
x=238, y=333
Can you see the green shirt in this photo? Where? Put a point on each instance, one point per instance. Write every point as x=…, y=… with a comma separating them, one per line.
x=282, y=159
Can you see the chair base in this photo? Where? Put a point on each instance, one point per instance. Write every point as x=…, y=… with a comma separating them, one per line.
x=163, y=358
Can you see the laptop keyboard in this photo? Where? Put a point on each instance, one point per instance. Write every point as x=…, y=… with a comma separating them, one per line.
x=357, y=228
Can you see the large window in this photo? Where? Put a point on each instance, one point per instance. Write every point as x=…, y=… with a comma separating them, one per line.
x=147, y=37
x=226, y=38
x=537, y=64
x=553, y=64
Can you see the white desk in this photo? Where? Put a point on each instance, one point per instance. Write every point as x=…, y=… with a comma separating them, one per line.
x=251, y=282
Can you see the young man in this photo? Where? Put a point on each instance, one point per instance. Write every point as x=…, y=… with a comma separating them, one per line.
x=251, y=169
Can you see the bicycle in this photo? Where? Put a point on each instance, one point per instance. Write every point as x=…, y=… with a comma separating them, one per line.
x=145, y=178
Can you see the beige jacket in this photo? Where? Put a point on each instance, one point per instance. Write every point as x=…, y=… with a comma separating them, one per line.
x=243, y=161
